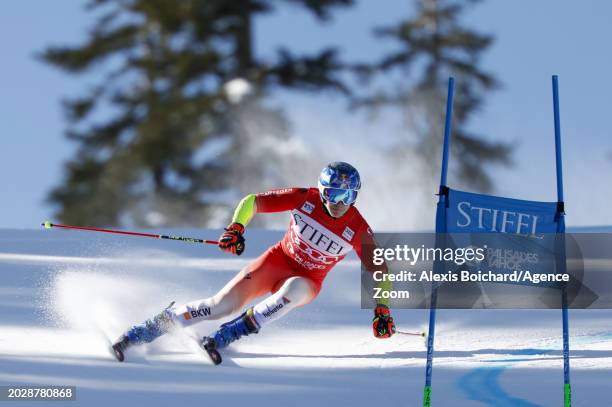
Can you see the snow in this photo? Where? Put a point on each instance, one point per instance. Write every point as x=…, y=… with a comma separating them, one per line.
x=237, y=89
x=64, y=295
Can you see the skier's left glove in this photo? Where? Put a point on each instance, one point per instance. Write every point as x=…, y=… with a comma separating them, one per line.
x=383, y=324
x=232, y=240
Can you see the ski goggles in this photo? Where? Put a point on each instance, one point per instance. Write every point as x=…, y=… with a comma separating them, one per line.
x=336, y=195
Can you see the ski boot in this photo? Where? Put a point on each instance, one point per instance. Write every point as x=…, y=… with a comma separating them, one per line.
x=229, y=332
x=146, y=332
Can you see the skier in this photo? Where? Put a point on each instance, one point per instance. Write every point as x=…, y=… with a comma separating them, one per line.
x=325, y=226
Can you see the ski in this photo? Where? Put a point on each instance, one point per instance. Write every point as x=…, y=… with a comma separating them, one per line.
x=119, y=347
x=207, y=346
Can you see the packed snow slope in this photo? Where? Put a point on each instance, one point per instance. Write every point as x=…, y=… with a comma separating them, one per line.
x=65, y=294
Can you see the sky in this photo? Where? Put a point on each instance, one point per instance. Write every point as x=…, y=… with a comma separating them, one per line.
x=533, y=40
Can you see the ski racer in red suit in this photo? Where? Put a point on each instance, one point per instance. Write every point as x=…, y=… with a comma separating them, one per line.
x=324, y=227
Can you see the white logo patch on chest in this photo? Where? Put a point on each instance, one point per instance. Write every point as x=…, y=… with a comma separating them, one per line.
x=348, y=234
x=314, y=239
x=308, y=207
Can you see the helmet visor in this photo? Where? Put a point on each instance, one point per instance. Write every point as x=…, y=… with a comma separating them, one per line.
x=336, y=195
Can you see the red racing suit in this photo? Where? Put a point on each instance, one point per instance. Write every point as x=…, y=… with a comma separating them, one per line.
x=315, y=241
x=313, y=244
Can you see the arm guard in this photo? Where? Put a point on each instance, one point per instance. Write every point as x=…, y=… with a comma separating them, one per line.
x=385, y=286
x=245, y=210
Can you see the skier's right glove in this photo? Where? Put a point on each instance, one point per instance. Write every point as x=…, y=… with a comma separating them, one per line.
x=383, y=324
x=232, y=240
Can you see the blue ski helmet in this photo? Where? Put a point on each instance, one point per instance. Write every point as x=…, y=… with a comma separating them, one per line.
x=339, y=182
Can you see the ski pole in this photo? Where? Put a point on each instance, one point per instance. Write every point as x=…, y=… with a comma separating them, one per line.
x=49, y=225
x=423, y=334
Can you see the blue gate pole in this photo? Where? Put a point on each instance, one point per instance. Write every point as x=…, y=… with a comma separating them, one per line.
x=555, y=81
x=447, y=130
x=567, y=389
x=440, y=228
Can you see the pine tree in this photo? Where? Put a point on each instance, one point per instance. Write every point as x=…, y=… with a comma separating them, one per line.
x=434, y=45
x=164, y=139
